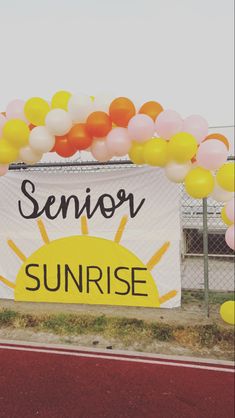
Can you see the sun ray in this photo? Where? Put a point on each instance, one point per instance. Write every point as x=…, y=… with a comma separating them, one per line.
x=121, y=228
x=157, y=256
x=7, y=282
x=84, y=225
x=16, y=250
x=167, y=296
x=43, y=231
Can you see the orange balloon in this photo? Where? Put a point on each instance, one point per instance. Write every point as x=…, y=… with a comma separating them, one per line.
x=152, y=109
x=63, y=147
x=99, y=124
x=31, y=126
x=121, y=111
x=220, y=137
x=79, y=137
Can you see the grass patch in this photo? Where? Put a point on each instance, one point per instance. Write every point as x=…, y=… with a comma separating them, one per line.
x=73, y=324
x=127, y=330
x=197, y=296
x=7, y=317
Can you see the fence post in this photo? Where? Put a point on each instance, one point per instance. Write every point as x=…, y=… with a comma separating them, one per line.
x=205, y=256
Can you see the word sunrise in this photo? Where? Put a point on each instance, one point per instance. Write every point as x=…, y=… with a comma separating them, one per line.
x=120, y=280
x=54, y=206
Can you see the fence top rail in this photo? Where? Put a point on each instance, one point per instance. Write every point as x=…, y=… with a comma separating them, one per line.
x=22, y=166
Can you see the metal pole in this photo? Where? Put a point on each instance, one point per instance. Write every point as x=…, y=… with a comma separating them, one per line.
x=205, y=252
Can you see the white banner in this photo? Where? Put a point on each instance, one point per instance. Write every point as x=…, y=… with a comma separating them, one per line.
x=109, y=237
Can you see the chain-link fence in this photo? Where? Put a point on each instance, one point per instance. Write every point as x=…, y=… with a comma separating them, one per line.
x=220, y=256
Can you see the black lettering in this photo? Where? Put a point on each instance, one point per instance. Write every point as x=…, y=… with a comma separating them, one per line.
x=65, y=206
x=134, y=281
x=108, y=280
x=32, y=276
x=46, y=278
x=121, y=195
x=34, y=214
x=122, y=280
x=67, y=272
x=105, y=203
x=134, y=212
x=89, y=279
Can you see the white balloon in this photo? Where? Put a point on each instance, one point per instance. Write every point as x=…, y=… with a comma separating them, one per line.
x=102, y=102
x=58, y=122
x=29, y=156
x=177, y=172
x=79, y=107
x=100, y=151
x=41, y=140
x=221, y=195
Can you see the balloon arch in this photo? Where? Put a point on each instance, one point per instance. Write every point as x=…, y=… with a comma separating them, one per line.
x=116, y=128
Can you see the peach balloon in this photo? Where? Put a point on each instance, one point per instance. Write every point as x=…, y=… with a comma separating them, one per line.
x=100, y=151
x=197, y=126
x=229, y=237
x=141, y=128
x=212, y=154
x=3, y=120
x=168, y=123
x=118, y=142
x=3, y=169
x=230, y=210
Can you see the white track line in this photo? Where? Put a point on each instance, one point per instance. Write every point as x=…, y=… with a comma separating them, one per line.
x=97, y=351
x=105, y=357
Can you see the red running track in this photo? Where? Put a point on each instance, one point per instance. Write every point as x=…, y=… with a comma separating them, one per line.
x=64, y=383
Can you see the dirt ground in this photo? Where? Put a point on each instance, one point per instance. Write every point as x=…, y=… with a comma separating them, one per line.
x=189, y=315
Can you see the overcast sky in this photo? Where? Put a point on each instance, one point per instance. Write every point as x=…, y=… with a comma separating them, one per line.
x=178, y=52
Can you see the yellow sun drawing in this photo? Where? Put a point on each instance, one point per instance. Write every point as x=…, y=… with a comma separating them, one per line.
x=87, y=269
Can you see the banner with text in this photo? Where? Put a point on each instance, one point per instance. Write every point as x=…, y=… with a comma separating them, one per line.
x=110, y=238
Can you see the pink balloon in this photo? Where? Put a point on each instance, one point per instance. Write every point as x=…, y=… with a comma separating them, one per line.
x=230, y=210
x=118, y=142
x=3, y=169
x=197, y=126
x=15, y=110
x=212, y=154
x=100, y=151
x=3, y=120
x=141, y=128
x=168, y=123
x=229, y=237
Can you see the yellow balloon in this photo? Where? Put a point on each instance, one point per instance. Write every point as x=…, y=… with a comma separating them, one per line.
x=92, y=98
x=225, y=177
x=60, y=100
x=156, y=152
x=225, y=218
x=136, y=153
x=16, y=132
x=8, y=154
x=35, y=110
x=182, y=147
x=227, y=312
x=199, y=183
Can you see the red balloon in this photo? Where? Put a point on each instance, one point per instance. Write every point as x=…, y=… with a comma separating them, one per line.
x=63, y=147
x=99, y=124
x=79, y=137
